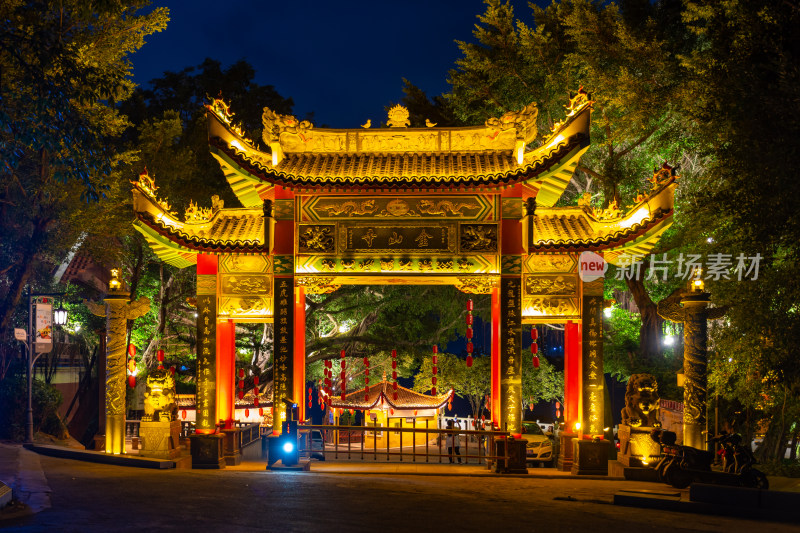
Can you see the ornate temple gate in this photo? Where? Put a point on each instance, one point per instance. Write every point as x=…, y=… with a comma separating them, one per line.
x=469, y=207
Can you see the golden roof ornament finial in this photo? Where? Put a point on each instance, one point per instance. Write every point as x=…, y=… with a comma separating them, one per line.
x=193, y=213
x=398, y=117
x=146, y=183
x=580, y=99
x=429, y=124
x=663, y=174
x=367, y=124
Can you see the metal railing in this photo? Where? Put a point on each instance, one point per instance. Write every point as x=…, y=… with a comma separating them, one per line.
x=421, y=443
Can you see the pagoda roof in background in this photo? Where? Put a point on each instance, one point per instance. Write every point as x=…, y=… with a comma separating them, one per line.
x=406, y=398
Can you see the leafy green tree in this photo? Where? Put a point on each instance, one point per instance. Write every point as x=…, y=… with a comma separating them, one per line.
x=64, y=66
x=543, y=384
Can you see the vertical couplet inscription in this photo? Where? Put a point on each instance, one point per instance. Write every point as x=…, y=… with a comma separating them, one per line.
x=510, y=348
x=592, y=363
x=283, y=371
x=206, y=353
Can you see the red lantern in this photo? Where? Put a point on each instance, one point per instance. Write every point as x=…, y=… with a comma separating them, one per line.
x=395, y=396
x=435, y=360
x=366, y=397
x=469, y=333
x=433, y=391
x=172, y=369
x=469, y=361
x=394, y=364
x=470, y=305
x=247, y=412
x=342, y=396
x=366, y=381
x=341, y=354
x=366, y=371
x=241, y=373
x=132, y=381
x=394, y=375
x=366, y=361
x=469, y=347
x=535, y=361
x=450, y=406
x=256, y=401
x=531, y=406
x=241, y=395
x=131, y=350
x=351, y=411
x=131, y=365
x=558, y=413
x=469, y=320
x=241, y=383
x=394, y=385
x=255, y=379
x=534, y=333
x=260, y=411
x=394, y=354
x=160, y=355
x=343, y=375
x=534, y=348
x=391, y=411
x=435, y=349
x=558, y=405
x=433, y=380
x=342, y=364
x=435, y=370
x=183, y=414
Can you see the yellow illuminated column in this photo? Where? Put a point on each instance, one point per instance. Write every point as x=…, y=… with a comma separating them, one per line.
x=117, y=309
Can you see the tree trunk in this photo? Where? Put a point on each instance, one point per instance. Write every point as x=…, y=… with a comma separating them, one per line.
x=650, y=332
x=23, y=273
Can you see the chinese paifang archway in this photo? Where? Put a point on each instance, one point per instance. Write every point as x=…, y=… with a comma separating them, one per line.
x=472, y=207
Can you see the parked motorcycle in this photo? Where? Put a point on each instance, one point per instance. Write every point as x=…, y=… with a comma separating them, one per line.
x=681, y=466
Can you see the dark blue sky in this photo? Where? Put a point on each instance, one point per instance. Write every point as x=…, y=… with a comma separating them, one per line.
x=342, y=60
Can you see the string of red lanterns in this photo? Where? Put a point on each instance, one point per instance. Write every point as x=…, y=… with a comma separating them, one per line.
x=256, y=393
x=310, y=401
x=343, y=375
x=241, y=384
x=470, y=307
x=535, y=346
x=394, y=373
x=434, y=369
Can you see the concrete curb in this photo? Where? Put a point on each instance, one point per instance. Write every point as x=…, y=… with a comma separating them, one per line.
x=102, y=458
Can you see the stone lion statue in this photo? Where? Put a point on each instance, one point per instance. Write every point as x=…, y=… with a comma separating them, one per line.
x=159, y=397
x=641, y=401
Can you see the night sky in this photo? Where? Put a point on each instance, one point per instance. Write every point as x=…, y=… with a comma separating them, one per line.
x=342, y=60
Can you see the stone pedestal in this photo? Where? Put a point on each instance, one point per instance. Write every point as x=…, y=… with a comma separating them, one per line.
x=232, y=449
x=207, y=451
x=160, y=439
x=565, y=455
x=590, y=457
x=516, y=456
x=636, y=448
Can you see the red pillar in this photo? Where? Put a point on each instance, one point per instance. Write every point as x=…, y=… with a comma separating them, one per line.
x=206, y=397
x=495, y=407
x=299, y=383
x=226, y=368
x=572, y=375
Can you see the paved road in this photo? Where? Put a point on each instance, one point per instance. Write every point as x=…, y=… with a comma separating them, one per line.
x=89, y=497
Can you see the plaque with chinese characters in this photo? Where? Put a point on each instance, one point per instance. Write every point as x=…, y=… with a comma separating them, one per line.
x=592, y=365
x=283, y=366
x=385, y=238
x=206, y=358
x=510, y=352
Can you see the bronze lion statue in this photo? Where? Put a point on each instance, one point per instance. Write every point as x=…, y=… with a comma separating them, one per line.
x=159, y=397
x=641, y=401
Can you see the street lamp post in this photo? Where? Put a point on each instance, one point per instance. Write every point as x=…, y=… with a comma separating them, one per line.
x=61, y=319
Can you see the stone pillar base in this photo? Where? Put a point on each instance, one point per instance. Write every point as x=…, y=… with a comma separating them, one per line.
x=636, y=448
x=207, y=451
x=232, y=450
x=160, y=439
x=565, y=451
x=590, y=457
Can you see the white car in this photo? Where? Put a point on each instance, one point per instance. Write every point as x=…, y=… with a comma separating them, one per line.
x=539, y=449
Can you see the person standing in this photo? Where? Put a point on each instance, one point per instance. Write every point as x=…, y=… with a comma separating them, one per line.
x=453, y=443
